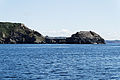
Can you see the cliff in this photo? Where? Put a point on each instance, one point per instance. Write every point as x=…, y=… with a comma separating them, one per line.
x=85, y=37
x=17, y=33
x=82, y=37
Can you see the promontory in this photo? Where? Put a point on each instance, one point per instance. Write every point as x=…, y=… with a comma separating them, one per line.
x=18, y=33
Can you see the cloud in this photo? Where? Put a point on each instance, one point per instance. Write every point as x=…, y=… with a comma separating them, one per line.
x=65, y=30
x=112, y=36
x=55, y=33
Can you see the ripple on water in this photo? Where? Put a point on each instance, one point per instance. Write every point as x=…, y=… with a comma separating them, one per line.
x=60, y=62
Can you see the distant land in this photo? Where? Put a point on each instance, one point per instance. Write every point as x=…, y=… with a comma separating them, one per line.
x=18, y=33
x=112, y=41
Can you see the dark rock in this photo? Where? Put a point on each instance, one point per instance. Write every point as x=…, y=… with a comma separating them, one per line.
x=85, y=37
x=17, y=33
x=55, y=40
x=82, y=37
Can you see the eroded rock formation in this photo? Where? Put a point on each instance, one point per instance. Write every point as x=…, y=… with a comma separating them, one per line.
x=17, y=33
x=85, y=37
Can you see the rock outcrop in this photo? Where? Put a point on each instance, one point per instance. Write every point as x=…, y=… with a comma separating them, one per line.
x=85, y=37
x=82, y=37
x=55, y=40
x=17, y=33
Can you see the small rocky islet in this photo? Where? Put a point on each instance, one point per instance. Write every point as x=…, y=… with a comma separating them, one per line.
x=18, y=33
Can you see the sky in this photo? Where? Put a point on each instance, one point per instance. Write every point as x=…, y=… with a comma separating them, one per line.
x=65, y=17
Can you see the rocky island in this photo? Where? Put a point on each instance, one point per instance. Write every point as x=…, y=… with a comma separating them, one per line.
x=18, y=33
x=82, y=37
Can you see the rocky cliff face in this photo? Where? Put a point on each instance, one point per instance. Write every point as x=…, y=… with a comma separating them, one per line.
x=17, y=33
x=82, y=37
x=85, y=37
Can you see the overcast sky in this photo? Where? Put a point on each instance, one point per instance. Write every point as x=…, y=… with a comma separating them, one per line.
x=65, y=17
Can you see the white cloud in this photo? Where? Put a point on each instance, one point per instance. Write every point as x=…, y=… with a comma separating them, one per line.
x=60, y=33
x=112, y=36
x=65, y=30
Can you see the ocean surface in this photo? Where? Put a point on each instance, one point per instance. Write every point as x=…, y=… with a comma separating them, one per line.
x=59, y=62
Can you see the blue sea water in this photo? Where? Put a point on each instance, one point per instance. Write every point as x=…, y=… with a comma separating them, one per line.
x=59, y=62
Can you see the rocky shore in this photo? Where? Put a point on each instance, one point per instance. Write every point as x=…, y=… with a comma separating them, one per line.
x=18, y=33
x=82, y=37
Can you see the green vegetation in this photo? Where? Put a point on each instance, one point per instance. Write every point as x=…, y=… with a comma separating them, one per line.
x=6, y=28
x=18, y=33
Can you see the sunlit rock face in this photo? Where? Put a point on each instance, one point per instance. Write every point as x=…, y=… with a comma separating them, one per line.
x=85, y=37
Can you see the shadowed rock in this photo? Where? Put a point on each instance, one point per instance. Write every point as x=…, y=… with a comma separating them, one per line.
x=85, y=37
x=17, y=33
x=82, y=37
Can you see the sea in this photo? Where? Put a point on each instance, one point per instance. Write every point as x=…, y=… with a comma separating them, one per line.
x=60, y=61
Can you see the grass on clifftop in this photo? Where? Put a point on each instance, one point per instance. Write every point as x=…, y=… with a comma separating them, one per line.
x=7, y=27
